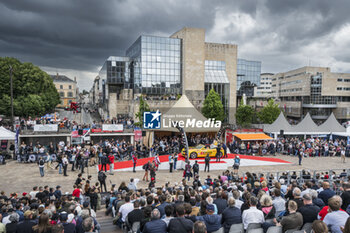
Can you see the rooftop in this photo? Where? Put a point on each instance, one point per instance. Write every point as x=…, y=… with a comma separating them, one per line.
x=61, y=78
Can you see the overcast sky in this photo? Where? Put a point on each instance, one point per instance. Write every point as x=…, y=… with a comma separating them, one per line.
x=74, y=37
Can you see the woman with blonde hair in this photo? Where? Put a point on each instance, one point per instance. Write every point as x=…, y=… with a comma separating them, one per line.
x=267, y=207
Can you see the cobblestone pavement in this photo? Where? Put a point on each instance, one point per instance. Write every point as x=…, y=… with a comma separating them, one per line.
x=17, y=177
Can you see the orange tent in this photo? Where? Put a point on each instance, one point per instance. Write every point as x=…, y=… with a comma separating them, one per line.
x=252, y=136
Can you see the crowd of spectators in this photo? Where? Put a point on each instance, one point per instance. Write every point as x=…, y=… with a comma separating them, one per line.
x=313, y=147
x=48, y=210
x=236, y=203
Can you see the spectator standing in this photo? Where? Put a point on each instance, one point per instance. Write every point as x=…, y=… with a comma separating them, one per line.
x=207, y=162
x=134, y=161
x=146, y=167
x=102, y=179
x=111, y=163
x=171, y=163
x=195, y=168
x=65, y=165
x=41, y=164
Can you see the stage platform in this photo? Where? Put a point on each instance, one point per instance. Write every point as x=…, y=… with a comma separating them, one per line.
x=224, y=164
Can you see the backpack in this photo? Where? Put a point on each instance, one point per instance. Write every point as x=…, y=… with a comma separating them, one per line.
x=41, y=162
x=195, y=167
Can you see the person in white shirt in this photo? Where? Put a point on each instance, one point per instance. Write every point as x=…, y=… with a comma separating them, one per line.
x=33, y=193
x=125, y=209
x=252, y=215
x=65, y=165
x=133, y=184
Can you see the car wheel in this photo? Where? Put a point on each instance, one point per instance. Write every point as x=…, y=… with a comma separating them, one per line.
x=193, y=155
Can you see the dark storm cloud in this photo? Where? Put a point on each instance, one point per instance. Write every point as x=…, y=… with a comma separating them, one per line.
x=80, y=34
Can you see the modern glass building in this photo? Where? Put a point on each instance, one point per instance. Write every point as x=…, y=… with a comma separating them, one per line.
x=163, y=67
x=216, y=78
x=115, y=76
x=155, y=65
x=248, y=71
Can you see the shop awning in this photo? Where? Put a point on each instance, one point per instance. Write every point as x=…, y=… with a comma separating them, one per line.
x=252, y=136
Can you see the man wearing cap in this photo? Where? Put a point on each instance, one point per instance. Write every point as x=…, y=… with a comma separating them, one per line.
x=212, y=221
x=309, y=210
x=27, y=224
x=68, y=227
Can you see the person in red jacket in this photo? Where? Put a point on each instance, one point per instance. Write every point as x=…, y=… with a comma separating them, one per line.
x=134, y=161
x=111, y=163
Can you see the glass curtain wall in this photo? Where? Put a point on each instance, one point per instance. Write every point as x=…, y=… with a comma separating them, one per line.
x=216, y=78
x=248, y=71
x=155, y=65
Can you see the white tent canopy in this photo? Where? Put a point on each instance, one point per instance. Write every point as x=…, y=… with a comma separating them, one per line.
x=279, y=124
x=332, y=125
x=6, y=134
x=182, y=111
x=306, y=126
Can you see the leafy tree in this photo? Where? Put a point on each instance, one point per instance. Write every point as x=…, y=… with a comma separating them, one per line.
x=212, y=106
x=34, y=93
x=143, y=107
x=244, y=115
x=269, y=113
x=84, y=92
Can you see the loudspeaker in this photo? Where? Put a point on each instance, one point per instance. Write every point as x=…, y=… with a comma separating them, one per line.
x=80, y=132
x=281, y=133
x=143, y=133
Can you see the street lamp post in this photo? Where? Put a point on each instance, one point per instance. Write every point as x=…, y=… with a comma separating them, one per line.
x=11, y=90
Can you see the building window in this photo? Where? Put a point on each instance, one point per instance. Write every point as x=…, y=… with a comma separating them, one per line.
x=340, y=80
x=61, y=86
x=70, y=86
x=339, y=88
x=70, y=94
x=61, y=94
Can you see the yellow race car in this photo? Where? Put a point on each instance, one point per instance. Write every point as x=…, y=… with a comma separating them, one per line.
x=201, y=151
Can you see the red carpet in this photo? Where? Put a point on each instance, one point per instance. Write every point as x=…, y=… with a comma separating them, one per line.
x=165, y=158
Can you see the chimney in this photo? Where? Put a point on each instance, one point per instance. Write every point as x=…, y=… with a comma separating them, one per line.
x=75, y=79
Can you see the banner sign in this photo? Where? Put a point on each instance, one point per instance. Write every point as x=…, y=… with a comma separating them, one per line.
x=138, y=135
x=16, y=144
x=112, y=127
x=4, y=144
x=46, y=128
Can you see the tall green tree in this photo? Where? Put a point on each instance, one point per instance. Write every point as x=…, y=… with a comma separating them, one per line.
x=143, y=107
x=212, y=106
x=34, y=93
x=244, y=115
x=269, y=113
